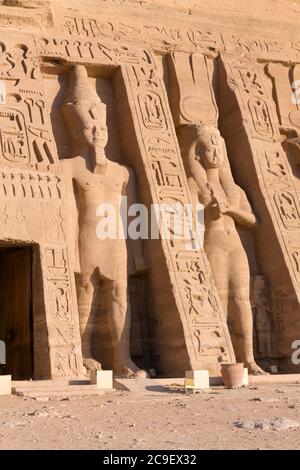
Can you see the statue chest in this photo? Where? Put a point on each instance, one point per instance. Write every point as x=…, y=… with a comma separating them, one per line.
x=102, y=185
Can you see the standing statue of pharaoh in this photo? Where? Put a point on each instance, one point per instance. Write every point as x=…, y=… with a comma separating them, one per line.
x=98, y=180
x=225, y=205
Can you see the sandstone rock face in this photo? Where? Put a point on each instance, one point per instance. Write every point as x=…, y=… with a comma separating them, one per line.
x=162, y=103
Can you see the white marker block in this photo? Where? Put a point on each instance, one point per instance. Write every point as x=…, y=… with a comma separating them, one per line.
x=5, y=384
x=103, y=379
x=198, y=378
x=246, y=377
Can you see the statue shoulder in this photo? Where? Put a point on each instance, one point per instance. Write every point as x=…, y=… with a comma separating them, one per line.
x=70, y=165
x=125, y=171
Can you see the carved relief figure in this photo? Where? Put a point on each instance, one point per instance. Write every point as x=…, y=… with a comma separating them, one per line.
x=262, y=317
x=211, y=183
x=99, y=180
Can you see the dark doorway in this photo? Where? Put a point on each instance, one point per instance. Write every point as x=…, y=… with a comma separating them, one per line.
x=16, y=311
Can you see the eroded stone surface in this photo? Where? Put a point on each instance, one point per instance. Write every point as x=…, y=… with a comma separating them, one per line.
x=275, y=424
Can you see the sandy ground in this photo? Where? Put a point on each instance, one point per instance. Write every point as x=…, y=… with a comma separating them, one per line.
x=155, y=420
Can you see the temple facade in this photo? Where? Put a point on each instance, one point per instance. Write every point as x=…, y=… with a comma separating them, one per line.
x=165, y=104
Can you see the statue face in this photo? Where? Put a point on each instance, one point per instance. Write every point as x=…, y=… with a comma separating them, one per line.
x=87, y=126
x=95, y=135
x=94, y=130
x=211, y=149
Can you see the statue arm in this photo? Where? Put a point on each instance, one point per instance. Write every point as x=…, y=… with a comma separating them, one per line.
x=66, y=166
x=199, y=175
x=241, y=216
x=237, y=205
x=72, y=215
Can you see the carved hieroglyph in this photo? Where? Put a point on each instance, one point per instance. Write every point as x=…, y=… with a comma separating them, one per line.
x=197, y=37
x=262, y=317
x=61, y=311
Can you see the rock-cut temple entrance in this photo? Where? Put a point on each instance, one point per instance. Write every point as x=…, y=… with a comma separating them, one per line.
x=16, y=328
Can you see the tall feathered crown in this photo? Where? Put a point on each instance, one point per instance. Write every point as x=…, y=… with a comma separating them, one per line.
x=81, y=94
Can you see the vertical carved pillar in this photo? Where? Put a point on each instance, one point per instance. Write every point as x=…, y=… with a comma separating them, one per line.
x=61, y=312
x=251, y=129
x=59, y=284
x=189, y=297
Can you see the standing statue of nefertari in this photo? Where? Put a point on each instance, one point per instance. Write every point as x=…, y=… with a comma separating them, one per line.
x=225, y=205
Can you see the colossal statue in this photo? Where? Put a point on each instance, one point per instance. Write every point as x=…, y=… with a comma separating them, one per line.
x=99, y=180
x=225, y=205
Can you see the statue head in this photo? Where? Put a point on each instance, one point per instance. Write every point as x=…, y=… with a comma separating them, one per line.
x=203, y=141
x=210, y=146
x=85, y=115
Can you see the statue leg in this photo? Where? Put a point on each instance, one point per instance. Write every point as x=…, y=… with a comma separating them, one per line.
x=218, y=261
x=85, y=292
x=239, y=308
x=119, y=324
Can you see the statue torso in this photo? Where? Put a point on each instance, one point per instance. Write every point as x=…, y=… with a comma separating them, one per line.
x=109, y=255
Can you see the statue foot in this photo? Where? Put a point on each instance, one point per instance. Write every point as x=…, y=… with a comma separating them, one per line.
x=254, y=369
x=130, y=371
x=91, y=364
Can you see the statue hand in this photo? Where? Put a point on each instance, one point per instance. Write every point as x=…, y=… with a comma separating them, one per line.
x=207, y=195
x=210, y=189
x=222, y=205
